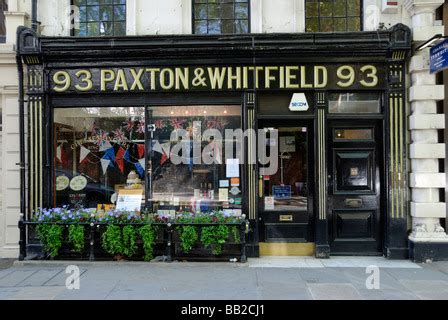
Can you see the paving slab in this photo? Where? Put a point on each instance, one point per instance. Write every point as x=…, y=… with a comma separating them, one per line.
x=58, y=280
x=387, y=294
x=358, y=277
x=416, y=274
x=37, y=293
x=39, y=278
x=91, y=290
x=17, y=276
x=334, y=291
x=325, y=275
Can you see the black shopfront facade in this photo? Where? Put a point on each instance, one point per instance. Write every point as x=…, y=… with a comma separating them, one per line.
x=105, y=108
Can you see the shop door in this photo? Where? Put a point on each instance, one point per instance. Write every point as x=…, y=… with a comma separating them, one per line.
x=355, y=182
x=285, y=198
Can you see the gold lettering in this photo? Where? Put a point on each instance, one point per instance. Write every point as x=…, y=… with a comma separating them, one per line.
x=233, y=77
x=290, y=77
x=106, y=76
x=182, y=76
x=320, y=77
x=268, y=77
x=217, y=76
x=349, y=77
x=137, y=81
x=245, y=78
x=87, y=80
x=63, y=84
x=372, y=75
x=282, y=78
x=152, y=75
x=303, y=83
x=163, y=76
x=120, y=82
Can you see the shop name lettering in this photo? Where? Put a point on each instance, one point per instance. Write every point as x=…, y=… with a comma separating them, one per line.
x=215, y=78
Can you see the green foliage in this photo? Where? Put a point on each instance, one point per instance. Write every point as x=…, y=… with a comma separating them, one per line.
x=76, y=237
x=51, y=238
x=129, y=241
x=148, y=234
x=215, y=237
x=236, y=234
x=112, y=241
x=188, y=236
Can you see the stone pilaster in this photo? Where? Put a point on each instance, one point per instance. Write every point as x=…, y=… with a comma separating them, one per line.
x=426, y=180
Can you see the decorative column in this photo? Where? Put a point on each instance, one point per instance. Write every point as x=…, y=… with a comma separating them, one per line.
x=322, y=244
x=428, y=240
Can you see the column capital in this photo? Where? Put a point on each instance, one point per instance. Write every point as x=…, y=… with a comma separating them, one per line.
x=422, y=6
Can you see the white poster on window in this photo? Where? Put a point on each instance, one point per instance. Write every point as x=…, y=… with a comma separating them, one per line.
x=232, y=168
x=130, y=200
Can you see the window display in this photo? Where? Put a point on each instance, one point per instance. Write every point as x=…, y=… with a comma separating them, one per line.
x=189, y=160
x=97, y=153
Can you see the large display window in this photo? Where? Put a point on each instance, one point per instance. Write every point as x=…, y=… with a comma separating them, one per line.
x=97, y=153
x=188, y=180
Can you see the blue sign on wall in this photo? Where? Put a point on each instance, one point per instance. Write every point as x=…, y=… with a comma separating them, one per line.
x=281, y=192
x=439, y=57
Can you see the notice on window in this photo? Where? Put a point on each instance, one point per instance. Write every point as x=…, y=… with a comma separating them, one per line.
x=269, y=203
x=223, y=194
x=233, y=168
x=130, y=200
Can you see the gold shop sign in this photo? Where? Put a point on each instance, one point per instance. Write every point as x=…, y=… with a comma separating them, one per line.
x=218, y=78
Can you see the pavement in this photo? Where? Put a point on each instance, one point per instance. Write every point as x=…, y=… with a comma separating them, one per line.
x=267, y=278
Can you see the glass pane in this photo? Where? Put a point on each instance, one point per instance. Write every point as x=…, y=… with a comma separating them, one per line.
x=106, y=28
x=93, y=29
x=354, y=103
x=312, y=9
x=200, y=27
x=214, y=26
x=241, y=26
x=213, y=11
x=82, y=14
x=354, y=7
x=326, y=8
x=200, y=11
x=120, y=1
x=105, y=1
x=82, y=31
x=353, y=134
x=106, y=13
x=79, y=2
x=93, y=13
x=312, y=25
x=98, y=151
x=241, y=11
x=326, y=24
x=287, y=189
x=183, y=182
x=353, y=24
x=226, y=11
x=227, y=26
x=120, y=13
x=340, y=7
x=120, y=28
x=339, y=24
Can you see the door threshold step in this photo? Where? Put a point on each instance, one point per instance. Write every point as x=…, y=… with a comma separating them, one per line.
x=287, y=249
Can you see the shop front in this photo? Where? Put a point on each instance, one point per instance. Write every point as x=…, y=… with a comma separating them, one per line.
x=301, y=134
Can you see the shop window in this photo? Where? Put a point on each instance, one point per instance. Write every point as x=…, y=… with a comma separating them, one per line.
x=97, y=153
x=3, y=9
x=187, y=181
x=223, y=16
x=333, y=15
x=354, y=103
x=100, y=18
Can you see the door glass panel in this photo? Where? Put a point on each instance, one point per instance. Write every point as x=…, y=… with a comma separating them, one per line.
x=287, y=189
x=353, y=134
x=354, y=103
x=185, y=179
